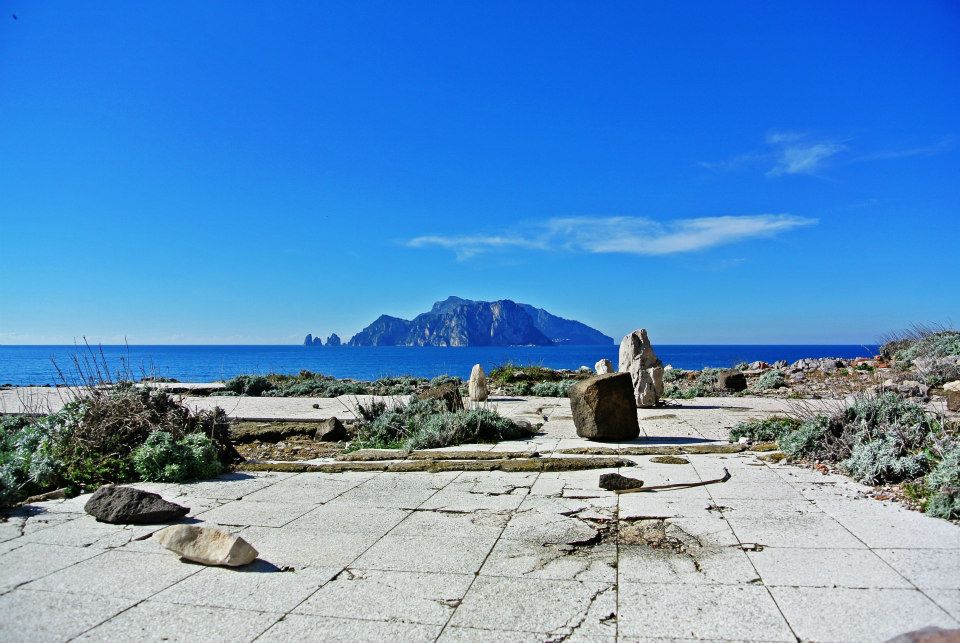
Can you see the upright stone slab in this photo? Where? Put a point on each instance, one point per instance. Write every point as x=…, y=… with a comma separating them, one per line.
x=477, y=386
x=603, y=407
x=638, y=359
x=448, y=393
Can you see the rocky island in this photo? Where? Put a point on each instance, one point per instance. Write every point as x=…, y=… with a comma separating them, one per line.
x=463, y=322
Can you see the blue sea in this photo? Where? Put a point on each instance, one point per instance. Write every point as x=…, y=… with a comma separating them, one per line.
x=23, y=365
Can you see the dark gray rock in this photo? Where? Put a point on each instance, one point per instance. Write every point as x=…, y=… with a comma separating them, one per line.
x=129, y=506
x=308, y=340
x=603, y=407
x=448, y=393
x=331, y=430
x=334, y=340
x=617, y=482
x=732, y=381
x=928, y=635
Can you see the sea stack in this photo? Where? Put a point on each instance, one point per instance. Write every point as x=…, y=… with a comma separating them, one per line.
x=646, y=370
x=334, y=340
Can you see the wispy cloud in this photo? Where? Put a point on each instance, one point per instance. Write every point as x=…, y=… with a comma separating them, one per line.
x=621, y=235
x=467, y=246
x=797, y=156
x=799, y=153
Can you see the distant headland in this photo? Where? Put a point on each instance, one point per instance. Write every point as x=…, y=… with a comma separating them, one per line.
x=463, y=322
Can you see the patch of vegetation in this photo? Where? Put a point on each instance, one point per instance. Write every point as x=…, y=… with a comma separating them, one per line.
x=673, y=374
x=878, y=439
x=92, y=440
x=309, y=384
x=163, y=459
x=768, y=429
x=703, y=384
x=552, y=389
x=770, y=380
x=922, y=342
x=510, y=373
x=427, y=424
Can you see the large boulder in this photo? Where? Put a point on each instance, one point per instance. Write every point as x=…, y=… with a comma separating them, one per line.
x=733, y=381
x=603, y=367
x=129, y=506
x=477, y=386
x=646, y=370
x=207, y=545
x=448, y=393
x=603, y=407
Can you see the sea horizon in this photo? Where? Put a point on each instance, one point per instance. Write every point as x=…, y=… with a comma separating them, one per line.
x=37, y=364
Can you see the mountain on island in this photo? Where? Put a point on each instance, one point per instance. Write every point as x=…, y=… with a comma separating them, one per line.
x=464, y=322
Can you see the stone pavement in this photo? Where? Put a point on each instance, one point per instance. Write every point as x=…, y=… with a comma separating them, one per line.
x=777, y=553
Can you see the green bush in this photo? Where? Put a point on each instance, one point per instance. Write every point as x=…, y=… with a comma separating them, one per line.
x=943, y=486
x=439, y=380
x=424, y=424
x=163, y=459
x=92, y=440
x=510, y=373
x=552, y=389
x=765, y=430
x=673, y=374
x=252, y=385
x=878, y=439
x=770, y=380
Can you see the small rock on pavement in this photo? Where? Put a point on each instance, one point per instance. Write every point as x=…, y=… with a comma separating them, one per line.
x=207, y=545
x=603, y=367
x=477, y=386
x=617, y=482
x=331, y=430
x=603, y=407
x=732, y=381
x=928, y=635
x=130, y=506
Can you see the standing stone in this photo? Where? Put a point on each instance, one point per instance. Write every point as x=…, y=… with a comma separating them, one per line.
x=603, y=367
x=646, y=370
x=477, y=386
x=603, y=407
x=129, y=506
x=951, y=391
x=733, y=381
x=207, y=545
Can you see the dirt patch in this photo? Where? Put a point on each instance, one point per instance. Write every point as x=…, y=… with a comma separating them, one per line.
x=292, y=448
x=669, y=459
x=434, y=466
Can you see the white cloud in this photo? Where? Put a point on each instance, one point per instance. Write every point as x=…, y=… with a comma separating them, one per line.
x=799, y=157
x=622, y=235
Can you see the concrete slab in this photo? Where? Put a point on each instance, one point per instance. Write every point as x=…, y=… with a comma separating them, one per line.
x=305, y=627
x=155, y=621
x=389, y=596
x=54, y=616
x=841, y=614
x=818, y=567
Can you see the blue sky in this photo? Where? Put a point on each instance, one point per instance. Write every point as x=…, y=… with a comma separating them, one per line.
x=248, y=172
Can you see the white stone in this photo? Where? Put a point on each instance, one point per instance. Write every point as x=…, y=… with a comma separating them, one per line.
x=603, y=367
x=952, y=386
x=638, y=359
x=478, y=384
x=207, y=545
